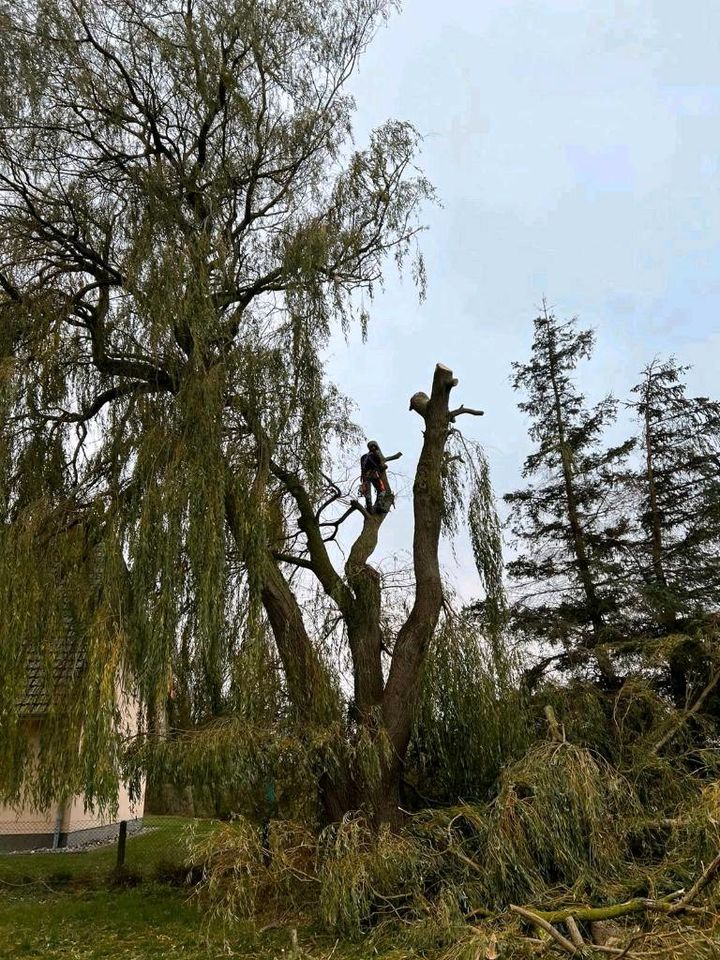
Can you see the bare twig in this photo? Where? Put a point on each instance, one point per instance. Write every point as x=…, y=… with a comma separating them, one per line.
x=707, y=877
x=336, y=524
x=336, y=494
x=626, y=949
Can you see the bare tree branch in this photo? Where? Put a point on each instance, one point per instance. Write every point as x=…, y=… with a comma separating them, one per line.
x=461, y=410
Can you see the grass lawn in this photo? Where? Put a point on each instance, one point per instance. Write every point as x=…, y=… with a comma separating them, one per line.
x=139, y=922
x=147, y=922
x=61, y=905
x=162, y=843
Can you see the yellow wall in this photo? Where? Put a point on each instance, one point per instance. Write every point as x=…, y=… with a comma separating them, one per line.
x=25, y=820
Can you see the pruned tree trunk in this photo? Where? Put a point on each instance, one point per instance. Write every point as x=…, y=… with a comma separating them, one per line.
x=384, y=706
x=411, y=645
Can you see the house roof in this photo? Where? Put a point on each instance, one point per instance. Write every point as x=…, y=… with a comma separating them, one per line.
x=46, y=672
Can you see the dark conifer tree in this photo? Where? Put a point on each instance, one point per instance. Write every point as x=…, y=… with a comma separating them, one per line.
x=674, y=545
x=565, y=521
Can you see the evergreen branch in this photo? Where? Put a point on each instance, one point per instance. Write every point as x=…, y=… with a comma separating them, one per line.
x=682, y=719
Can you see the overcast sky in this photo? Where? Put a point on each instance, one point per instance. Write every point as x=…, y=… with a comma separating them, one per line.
x=575, y=148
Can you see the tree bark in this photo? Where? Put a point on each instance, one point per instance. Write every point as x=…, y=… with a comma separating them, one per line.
x=363, y=621
x=412, y=642
x=383, y=711
x=306, y=676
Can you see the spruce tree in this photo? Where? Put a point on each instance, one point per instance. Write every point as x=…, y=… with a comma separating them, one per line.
x=673, y=550
x=565, y=519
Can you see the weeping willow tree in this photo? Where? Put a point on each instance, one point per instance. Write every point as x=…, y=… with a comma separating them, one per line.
x=183, y=222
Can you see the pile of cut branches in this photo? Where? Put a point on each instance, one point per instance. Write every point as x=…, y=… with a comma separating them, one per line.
x=565, y=858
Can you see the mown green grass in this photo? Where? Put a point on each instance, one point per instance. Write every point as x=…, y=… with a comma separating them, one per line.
x=71, y=906
x=135, y=923
x=162, y=842
x=147, y=922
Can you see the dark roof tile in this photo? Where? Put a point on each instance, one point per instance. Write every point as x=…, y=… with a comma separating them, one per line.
x=46, y=673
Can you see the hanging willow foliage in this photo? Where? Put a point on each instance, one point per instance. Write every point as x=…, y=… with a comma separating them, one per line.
x=182, y=220
x=472, y=718
x=469, y=500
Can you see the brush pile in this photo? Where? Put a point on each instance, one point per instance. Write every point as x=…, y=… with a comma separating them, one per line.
x=572, y=855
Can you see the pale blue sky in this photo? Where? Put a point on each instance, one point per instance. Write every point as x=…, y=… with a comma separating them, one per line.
x=575, y=147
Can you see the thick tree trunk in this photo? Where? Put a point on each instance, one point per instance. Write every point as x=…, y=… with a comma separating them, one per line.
x=412, y=642
x=383, y=711
x=363, y=622
x=310, y=688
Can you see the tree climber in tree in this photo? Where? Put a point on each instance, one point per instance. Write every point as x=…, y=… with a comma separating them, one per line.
x=372, y=474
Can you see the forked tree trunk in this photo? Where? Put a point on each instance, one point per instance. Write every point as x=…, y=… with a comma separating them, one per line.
x=384, y=707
